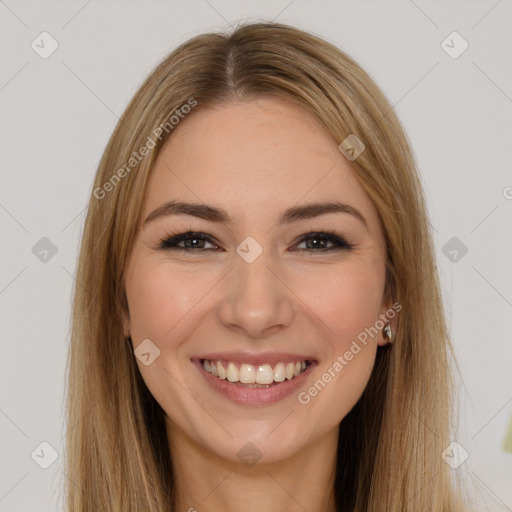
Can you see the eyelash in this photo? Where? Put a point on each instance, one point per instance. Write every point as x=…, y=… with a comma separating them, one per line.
x=170, y=241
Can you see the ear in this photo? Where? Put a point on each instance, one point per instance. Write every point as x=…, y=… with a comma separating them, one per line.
x=388, y=313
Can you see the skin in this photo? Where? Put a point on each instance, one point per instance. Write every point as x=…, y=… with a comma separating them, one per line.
x=255, y=159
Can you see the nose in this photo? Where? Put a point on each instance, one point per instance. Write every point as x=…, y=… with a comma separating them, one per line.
x=256, y=300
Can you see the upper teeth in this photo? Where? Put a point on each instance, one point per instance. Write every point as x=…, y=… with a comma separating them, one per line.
x=260, y=374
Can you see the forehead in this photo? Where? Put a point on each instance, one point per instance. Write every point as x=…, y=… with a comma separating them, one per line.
x=253, y=159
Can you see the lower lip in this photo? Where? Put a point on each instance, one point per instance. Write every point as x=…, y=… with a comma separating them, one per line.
x=254, y=396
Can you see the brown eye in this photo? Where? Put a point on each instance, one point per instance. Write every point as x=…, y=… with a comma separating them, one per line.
x=195, y=242
x=318, y=242
x=192, y=241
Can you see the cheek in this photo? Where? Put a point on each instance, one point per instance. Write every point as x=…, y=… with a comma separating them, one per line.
x=347, y=299
x=348, y=303
x=158, y=299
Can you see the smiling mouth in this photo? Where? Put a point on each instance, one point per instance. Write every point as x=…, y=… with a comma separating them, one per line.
x=255, y=376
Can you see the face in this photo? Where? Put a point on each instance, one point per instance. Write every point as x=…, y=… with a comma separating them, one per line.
x=260, y=292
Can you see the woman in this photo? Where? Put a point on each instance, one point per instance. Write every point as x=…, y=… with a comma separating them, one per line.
x=258, y=322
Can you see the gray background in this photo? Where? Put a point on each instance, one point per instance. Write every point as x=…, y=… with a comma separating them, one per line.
x=57, y=114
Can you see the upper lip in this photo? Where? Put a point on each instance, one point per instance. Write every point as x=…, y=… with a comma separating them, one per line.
x=271, y=358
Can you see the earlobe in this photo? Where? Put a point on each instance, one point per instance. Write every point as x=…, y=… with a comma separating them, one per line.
x=387, y=334
x=388, y=331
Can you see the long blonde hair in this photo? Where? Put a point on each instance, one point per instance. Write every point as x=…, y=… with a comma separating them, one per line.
x=390, y=444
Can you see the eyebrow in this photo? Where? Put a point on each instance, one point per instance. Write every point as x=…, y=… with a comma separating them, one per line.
x=214, y=214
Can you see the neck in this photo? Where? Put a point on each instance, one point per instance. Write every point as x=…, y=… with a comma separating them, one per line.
x=205, y=482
